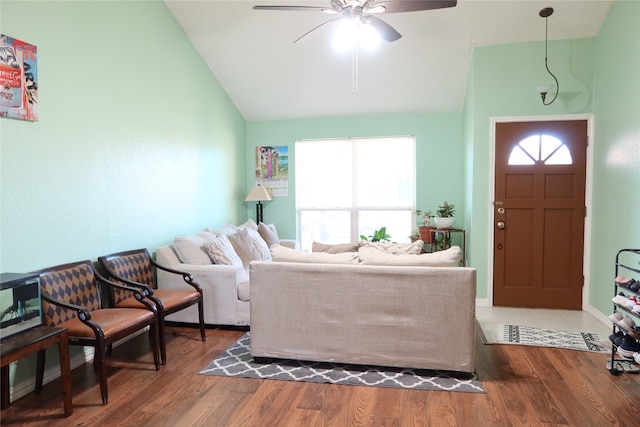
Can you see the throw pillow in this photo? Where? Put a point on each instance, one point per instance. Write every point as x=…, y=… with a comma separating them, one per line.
x=397, y=248
x=284, y=254
x=230, y=229
x=269, y=234
x=249, y=224
x=447, y=258
x=190, y=248
x=227, y=230
x=221, y=251
x=250, y=246
x=334, y=249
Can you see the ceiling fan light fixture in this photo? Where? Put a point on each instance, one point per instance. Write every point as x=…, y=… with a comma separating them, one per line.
x=369, y=38
x=377, y=9
x=346, y=36
x=352, y=33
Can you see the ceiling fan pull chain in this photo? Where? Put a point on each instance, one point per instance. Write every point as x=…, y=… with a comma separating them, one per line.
x=354, y=70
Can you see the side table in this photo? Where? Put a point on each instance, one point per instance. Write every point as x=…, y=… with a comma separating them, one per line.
x=37, y=340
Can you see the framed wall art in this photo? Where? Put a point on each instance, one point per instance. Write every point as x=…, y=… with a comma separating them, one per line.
x=18, y=79
x=272, y=169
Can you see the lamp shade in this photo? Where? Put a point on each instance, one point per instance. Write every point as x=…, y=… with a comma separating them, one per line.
x=258, y=193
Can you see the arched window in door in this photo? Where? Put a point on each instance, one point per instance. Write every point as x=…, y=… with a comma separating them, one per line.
x=545, y=149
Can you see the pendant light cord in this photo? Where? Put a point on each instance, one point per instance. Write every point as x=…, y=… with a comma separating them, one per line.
x=546, y=38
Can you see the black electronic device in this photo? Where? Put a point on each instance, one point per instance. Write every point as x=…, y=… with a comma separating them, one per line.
x=20, y=306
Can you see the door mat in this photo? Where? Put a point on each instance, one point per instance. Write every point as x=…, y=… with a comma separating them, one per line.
x=527, y=335
x=237, y=361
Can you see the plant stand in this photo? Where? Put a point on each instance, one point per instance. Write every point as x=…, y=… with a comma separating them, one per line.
x=436, y=234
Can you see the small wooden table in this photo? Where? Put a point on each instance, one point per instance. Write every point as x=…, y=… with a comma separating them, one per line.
x=37, y=340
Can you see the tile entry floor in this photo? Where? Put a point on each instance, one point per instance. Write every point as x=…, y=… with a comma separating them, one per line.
x=490, y=318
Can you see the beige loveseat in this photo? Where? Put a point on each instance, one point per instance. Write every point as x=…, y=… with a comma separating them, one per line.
x=410, y=316
x=225, y=287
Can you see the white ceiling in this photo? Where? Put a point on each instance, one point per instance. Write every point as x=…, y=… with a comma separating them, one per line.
x=268, y=77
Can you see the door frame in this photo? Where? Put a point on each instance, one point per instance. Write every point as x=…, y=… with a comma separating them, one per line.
x=587, y=197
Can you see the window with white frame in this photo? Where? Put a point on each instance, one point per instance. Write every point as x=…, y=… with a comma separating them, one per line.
x=346, y=188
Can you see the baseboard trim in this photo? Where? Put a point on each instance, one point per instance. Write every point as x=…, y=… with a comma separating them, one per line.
x=482, y=302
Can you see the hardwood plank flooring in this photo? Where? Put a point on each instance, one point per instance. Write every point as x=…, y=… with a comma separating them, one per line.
x=525, y=386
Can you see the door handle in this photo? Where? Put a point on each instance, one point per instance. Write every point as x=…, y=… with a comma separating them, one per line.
x=500, y=224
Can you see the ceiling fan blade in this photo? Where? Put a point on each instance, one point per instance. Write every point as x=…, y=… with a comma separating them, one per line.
x=298, y=8
x=386, y=31
x=315, y=28
x=398, y=6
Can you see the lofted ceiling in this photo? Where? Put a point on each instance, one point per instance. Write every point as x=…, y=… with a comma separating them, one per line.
x=268, y=77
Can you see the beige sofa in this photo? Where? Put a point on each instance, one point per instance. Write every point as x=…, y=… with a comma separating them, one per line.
x=384, y=315
x=225, y=283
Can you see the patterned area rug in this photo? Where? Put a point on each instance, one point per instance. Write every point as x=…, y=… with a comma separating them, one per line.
x=527, y=335
x=236, y=361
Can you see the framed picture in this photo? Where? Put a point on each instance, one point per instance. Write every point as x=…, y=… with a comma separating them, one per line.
x=18, y=79
x=272, y=169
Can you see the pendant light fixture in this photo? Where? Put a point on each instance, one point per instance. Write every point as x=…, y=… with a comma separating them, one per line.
x=543, y=90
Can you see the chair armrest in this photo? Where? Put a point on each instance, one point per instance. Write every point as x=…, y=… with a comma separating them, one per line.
x=186, y=276
x=140, y=291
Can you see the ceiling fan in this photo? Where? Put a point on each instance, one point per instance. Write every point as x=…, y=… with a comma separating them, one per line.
x=365, y=11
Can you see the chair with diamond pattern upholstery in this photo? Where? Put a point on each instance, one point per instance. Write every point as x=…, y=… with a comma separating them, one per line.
x=72, y=299
x=138, y=269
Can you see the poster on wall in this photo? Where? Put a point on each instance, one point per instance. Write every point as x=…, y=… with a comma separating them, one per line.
x=272, y=169
x=18, y=79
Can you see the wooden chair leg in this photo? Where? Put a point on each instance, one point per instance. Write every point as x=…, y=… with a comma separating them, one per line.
x=40, y=359
x=162, y=339
x=100, y=362
x=201, y=319
x=155, y=344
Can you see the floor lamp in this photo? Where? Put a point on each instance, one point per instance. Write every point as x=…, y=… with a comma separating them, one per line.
x=258, y=194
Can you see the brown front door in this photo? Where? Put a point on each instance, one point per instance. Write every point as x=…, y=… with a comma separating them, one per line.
x=539, y=214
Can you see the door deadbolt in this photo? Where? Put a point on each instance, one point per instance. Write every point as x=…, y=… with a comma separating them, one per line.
x=500, y=225
x=501, y=211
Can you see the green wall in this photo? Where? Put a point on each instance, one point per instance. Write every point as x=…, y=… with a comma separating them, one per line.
x=501, y=84
x=136, y=143
x=439, y=152
x=598, y=75
x=616, y=160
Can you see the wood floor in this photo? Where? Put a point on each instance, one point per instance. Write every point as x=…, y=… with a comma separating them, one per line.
x=525, y=386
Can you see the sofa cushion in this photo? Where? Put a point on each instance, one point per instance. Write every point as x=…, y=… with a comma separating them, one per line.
x=284, y=254
x=190, y=248
x=250, y=246
x=244, y=291
x=334, y=249
x=269, y=233
x=396, y=248
x=447, y=258
x=221, y=251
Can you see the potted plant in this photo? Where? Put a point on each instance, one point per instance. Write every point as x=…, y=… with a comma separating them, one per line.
x=415, y=235
x=378, y=236
x=445, y=217
x=424, y=230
